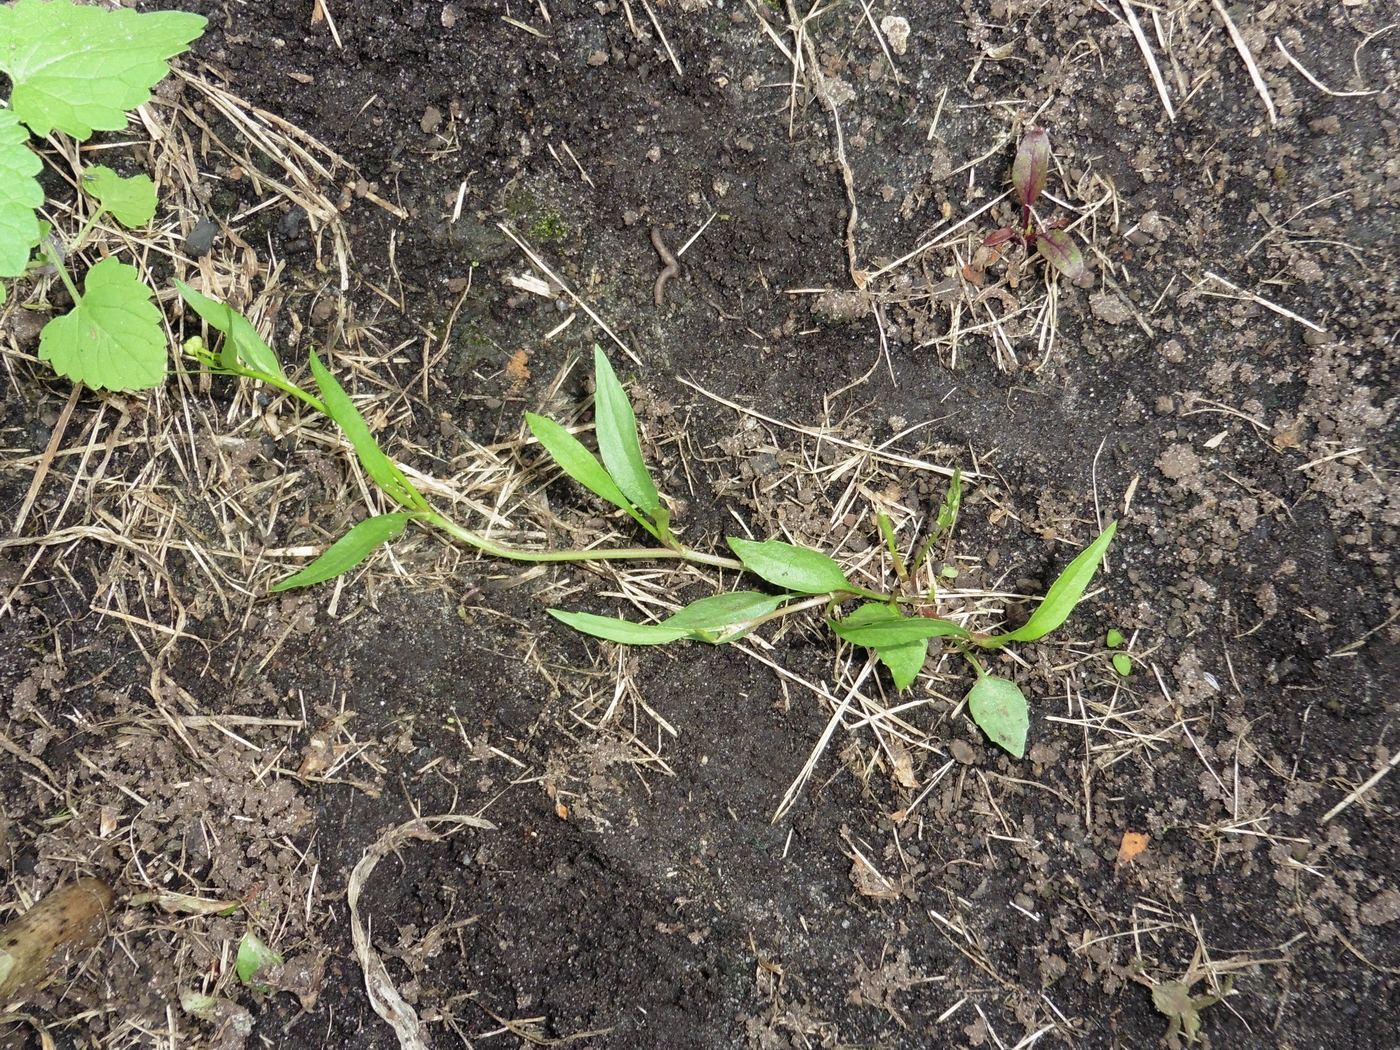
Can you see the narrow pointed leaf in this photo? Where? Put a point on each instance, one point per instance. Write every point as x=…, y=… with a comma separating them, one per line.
x=792, y=568
x=348, y=551
x=616, y=429
x=894, y=629
x=575, y=460
x=1032, y=165
x=615, y=630
x=378, y=466
x=242, y=344
x=112, y=339
x=999, y=707
x=1063, y=595
x=1059, y=249
x=20, y=194
x=725, y=610
x=132, y=200
x=78, y=67
x=904, y=659
x=997, y=237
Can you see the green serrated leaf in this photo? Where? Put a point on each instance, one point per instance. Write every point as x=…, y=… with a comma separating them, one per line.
x=78, y=68
x=20, y=194
x=904, y=659
x=1060, y=250
x=132, y=200
x=378, y=466
x=616, y=429
x=112, y=339
x=613, y=629
x=1123, y=664
x=894, y=628
x=241, y=339
x=575, y=460
x=254, y=956
x=999, y=707
x=724, y=610
x=348, y=551
x=792, y=568
x=1064, y=593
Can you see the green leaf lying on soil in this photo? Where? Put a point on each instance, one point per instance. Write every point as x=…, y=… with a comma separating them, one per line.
x=999, y=707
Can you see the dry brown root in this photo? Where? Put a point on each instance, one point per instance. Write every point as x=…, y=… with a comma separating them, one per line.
x=41, y=942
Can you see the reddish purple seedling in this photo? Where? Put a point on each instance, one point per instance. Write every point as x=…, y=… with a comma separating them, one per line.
x=1028, y=175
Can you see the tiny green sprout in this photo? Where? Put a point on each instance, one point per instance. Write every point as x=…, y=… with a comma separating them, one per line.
x=1122, y=662
x=1029, y=173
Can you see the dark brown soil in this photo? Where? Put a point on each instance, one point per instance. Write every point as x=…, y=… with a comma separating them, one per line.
x=638, y=896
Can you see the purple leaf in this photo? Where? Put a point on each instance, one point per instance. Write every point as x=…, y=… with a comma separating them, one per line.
x=1000, y=236
x=1032, y=165
x=1060, y=251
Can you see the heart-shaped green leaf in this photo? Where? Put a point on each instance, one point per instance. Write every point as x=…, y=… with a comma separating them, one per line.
x=112, y=339
x=132, y=200
x=77, y=67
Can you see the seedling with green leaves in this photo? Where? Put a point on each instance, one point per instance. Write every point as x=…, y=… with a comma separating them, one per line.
x=1051, y=240
x=801, y=578
x=77, y=69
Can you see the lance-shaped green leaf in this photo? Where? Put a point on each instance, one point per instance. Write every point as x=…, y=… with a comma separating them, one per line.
x=242, y=344
x=615, y=630
x=131, y=199
x=378, y=466
x=1064, y=593
x=792, y=568
x=1059, y=249
x=725, y=610
x=77, y=67
x=112, y=339
x=1031, y=167
x=348, y=551
x=20, y=194
x=576, y=461
x=905, y=659
x=894, y=629
x=616, y=428
x=999, y=707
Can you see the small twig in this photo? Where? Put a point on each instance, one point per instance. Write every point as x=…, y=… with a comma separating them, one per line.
x=1371, y=782
x=534, y=258
x=1280, y=310
x=1146, y=50
x=1249, y=63
x=1314, y=81
x=664, y=42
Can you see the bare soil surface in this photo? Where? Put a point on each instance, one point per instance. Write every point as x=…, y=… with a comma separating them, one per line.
x=1223, y=384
